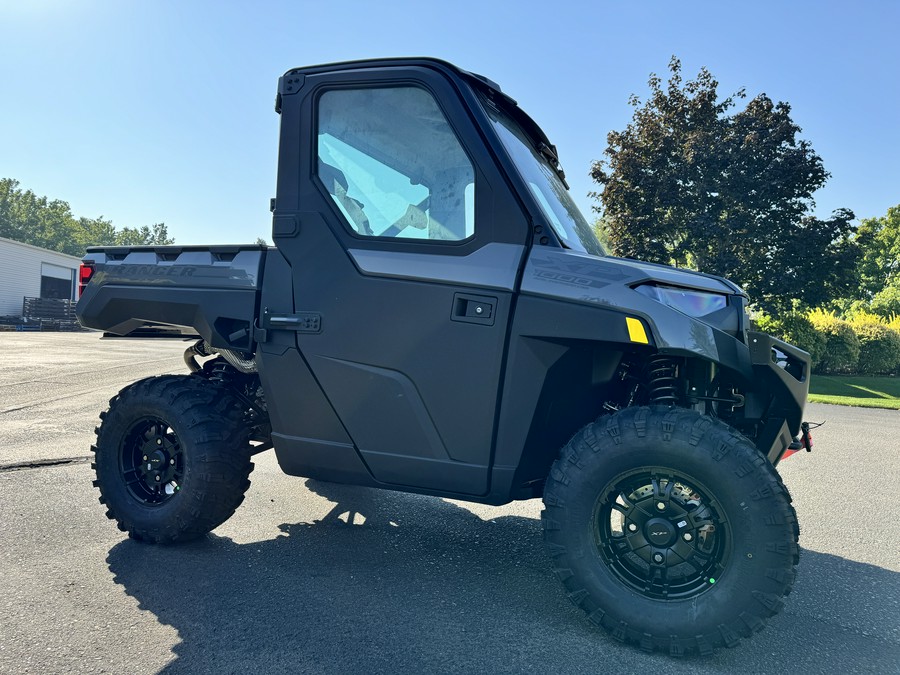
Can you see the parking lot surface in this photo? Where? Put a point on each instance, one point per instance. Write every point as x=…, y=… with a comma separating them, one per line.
x=313, y=577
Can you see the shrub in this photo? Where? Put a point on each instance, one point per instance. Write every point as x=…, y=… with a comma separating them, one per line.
x=841, y=352
x=879, y=344
x=796, y=329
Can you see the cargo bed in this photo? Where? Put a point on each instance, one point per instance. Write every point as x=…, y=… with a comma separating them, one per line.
x=211, y=289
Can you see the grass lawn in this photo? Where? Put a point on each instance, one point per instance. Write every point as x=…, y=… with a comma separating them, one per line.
x=861, y=390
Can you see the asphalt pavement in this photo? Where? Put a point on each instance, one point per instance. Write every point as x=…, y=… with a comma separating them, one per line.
x=313, y=577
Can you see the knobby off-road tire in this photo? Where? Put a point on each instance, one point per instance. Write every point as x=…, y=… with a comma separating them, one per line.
x=670, y=529
x=172, y=458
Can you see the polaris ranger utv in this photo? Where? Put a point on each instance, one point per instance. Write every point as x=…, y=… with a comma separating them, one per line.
x=436, y=316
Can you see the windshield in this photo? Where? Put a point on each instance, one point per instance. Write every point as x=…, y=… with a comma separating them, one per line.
x=546, y=186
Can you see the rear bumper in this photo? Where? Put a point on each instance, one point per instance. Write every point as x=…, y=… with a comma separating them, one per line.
x=781, y=371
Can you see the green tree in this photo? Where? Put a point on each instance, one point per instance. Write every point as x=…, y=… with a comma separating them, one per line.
x=886, y=302
x=93, y=232
x=879, y=243
x=601, y=231
x=31, y=219
x=692, y=183
x=156, y=235
x=39, y=221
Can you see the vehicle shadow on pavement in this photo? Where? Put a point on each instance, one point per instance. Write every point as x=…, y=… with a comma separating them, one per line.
x=392, y=582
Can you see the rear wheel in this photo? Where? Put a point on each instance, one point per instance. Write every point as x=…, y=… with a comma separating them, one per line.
x=172, y=458
x=670, y=529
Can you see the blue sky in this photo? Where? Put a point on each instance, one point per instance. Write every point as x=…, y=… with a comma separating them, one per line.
x=163, y=111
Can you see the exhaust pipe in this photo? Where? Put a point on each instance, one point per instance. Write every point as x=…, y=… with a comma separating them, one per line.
x=202, y=349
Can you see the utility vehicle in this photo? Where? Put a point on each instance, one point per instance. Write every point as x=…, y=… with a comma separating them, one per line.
x=436, y=316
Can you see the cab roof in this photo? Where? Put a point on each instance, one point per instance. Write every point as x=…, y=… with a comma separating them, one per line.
x=429, y=62
x=479, y=82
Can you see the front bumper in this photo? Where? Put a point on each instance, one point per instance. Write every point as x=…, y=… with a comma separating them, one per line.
x=781, y=380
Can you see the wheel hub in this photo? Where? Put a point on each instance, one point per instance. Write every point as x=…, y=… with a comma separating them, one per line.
x=659, y=532
x=152, y=461
x=159, y=465
x=661, y=535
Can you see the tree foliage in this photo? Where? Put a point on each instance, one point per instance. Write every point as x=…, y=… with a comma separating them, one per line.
x=50, y=224
x=886, y=302
x=692, y=183
x=879, y=241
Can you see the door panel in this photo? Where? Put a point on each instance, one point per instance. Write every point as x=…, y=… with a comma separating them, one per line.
x=403, y=353
x=367, y=395
x=415, y=389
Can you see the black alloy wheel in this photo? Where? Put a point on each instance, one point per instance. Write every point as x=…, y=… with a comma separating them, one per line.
x=152, y=461
x=661, y=534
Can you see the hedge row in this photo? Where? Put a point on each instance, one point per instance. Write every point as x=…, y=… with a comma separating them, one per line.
x=863, y=343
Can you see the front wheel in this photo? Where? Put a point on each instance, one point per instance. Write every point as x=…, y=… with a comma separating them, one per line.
x=670, y=529
x=172, y=458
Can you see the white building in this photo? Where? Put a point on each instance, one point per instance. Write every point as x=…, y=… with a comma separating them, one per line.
x=32, y=272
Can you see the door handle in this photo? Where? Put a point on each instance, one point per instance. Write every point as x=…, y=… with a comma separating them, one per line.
x=474, y=309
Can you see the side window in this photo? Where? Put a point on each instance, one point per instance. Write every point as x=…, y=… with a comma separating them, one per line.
x=393, y=165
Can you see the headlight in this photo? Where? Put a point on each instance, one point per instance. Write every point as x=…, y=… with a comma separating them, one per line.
x=686, y=300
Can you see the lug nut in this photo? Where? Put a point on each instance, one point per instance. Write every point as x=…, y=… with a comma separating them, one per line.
x=657, y=557
x=632, y=527
x=172, y=461
x=661, y=506
x=156, y=479
x=145, y=458
x=159, y=441
x=688, y=536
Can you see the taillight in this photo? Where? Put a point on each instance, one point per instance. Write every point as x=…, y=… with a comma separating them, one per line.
x=85, y=272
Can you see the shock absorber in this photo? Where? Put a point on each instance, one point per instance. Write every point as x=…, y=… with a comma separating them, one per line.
x=662, y=380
